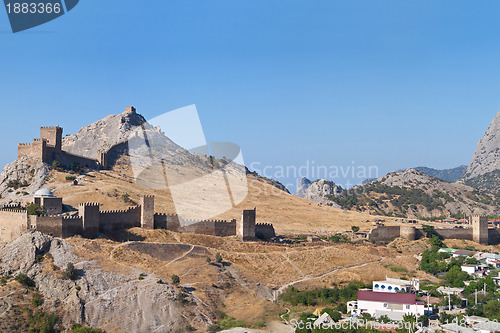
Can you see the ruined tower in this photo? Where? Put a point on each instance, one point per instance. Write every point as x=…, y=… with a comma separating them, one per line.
x=480, y=229
x=102, y=159
x=89, y=212
x=245, y=228
x=147, y=211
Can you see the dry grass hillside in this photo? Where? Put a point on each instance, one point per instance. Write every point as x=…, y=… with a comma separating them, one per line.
x=244, y=285
x=117, y=189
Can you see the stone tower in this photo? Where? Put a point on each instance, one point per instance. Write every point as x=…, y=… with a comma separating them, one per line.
x=53, y=136
x=89, y=212
x=147, y=211
x=409, y=233
x=245, y=228
x=480, y=229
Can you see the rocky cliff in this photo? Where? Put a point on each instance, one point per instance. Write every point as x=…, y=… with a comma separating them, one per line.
x=484, y=169
x=322, y=191
x=302, y=187
x=22, y=178
x=96, y=297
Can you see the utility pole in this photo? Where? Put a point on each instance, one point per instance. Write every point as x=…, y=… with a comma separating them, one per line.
x=476, y=296
x=449, y=302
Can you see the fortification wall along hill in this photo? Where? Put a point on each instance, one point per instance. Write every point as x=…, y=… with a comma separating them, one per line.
x=48, y=148
x=91, y=221
x=120, y=219
x=264, y=231
x=479, y=235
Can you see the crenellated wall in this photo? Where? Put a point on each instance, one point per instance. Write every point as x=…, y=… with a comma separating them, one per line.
x=388, y=233
x=13, y=223
x=71, y=226
x=91, y=221
x=48, y=224
x=264, y=231
x=119, y=219
x=48, y=148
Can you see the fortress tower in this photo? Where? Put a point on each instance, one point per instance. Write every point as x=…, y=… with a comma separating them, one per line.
x=89, y=212
x=245, y=229
x=480, y=229
x=53, y=136
x=147, y=211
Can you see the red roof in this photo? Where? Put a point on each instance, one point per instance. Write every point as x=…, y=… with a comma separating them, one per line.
x=376, y=296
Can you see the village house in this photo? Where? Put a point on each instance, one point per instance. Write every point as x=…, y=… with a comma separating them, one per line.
x=391, y=304
x=396, y=285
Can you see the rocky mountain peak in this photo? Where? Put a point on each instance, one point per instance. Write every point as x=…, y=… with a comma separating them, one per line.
x=487, y=156
x=302, y=187
x=103, y=134
x=321, y=190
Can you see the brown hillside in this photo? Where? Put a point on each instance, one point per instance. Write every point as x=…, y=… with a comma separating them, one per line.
x=288, y=213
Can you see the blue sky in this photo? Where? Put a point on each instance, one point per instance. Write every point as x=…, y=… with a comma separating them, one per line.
x=392, y=84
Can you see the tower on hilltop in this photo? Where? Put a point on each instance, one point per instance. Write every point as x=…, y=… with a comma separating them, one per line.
x=53, y=136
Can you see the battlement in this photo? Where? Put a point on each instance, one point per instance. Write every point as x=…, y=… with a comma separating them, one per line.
x=88, y=204
x=51, y=127
x=12, y=210
x=129, y=209
x=166, y=214
x=263, y=225
x=477, y=215
x=14, y=205
x=73, y=217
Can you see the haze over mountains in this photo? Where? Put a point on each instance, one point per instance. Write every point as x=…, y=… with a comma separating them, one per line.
x=423, y=192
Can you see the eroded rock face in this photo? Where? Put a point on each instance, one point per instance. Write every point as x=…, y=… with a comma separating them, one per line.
x=303, y=186
x=484, y=169
x=26, y=172
x=116, y=303
x=320, y=190
x=487, y=155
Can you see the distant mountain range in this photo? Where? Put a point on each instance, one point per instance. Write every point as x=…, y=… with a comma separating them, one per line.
x=423, y=192
x=449, y=175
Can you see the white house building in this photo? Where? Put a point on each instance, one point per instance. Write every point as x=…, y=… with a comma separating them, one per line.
x=396, y=285
x=394, y=305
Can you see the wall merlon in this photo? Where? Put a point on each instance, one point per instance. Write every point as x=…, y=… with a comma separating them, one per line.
x=50, y=127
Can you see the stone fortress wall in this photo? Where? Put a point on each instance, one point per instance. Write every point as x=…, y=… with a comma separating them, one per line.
x=48, y=148
x=479, y=232
x=91, y=221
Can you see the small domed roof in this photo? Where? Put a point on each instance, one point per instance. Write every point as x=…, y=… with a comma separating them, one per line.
x=44, y=193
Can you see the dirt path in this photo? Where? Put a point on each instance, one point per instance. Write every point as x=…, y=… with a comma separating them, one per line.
x=308, y=278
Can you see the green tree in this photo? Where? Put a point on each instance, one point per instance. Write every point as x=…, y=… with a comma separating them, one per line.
x=175, y=279
x=70, y=272
x=355, y=228
x=35, y=209
x=428, y=229
x=218, y=257
x=455, y=277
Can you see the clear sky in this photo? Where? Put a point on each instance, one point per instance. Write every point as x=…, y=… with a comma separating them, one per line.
x=391, y=84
